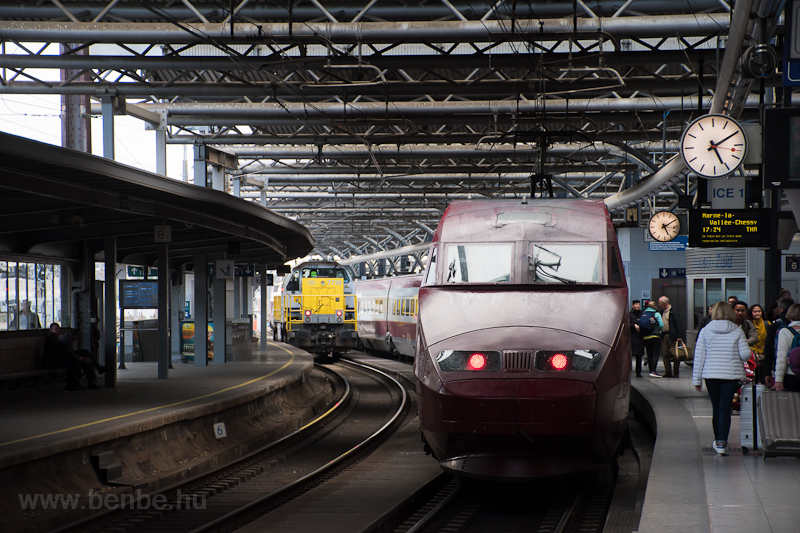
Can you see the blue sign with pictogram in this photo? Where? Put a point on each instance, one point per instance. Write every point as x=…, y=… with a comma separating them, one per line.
x=671, y=273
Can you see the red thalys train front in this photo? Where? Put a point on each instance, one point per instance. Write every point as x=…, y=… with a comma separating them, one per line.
x=523, y=358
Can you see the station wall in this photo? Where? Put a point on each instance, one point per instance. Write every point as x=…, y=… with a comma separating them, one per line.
x=641, y=265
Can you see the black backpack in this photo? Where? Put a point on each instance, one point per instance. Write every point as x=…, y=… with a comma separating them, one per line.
x=647, y=323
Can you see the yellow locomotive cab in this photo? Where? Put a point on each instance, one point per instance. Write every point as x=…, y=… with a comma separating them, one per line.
x=316, y=309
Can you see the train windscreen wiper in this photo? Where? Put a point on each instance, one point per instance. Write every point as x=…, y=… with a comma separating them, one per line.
x=538, y=267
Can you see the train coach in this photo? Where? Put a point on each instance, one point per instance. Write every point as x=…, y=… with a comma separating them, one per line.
x=315, y=309
x=387, y=314
x=522, y=349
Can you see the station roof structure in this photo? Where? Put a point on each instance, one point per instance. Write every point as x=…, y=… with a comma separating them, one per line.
x=363, y=119
x=53, y=197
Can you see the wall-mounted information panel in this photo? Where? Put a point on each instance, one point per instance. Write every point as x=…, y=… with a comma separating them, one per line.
x=136, y=294
x=744, y=228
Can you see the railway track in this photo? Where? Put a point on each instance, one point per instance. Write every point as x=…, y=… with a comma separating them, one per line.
x=556, y=506
x=233, y=495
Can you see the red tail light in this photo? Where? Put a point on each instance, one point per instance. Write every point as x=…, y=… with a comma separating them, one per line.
x=476, y=361
x=308, y=313
x=339, y=312
x=559, y=361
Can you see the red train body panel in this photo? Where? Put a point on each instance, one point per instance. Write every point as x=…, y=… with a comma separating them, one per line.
x=387, y=313
x=523, y=354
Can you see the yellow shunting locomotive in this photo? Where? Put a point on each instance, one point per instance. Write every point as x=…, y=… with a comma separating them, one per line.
x=316, y=309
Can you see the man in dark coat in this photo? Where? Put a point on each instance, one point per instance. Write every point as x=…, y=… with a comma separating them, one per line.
x=79, y=361
x=673, y=326
x=637, y=343
x=765, y=376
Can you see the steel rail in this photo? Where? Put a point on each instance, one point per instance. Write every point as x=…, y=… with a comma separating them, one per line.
x=341, y=402
x=330, y=465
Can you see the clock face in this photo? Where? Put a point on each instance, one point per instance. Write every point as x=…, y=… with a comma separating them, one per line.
x=713, y=146
x=664, y=226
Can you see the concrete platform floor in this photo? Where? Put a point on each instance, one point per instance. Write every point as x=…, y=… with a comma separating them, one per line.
x=56, y=421
x=691, y=488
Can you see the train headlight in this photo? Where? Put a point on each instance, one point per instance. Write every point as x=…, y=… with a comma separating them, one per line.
x=468, y=361
x=567, y=360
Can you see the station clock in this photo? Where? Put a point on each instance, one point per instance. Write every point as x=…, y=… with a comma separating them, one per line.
x=664, y=226
x=713, y=146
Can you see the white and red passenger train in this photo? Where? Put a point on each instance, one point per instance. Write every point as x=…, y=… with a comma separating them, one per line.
x=387, y=314
x=522, y=346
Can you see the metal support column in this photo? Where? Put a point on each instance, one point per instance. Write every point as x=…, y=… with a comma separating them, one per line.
x=237, y=297
x=220, y=319
x=200, y=174
x=110, y=313
x=262, y=269
x=164, y=352
x=108, y=126
x=200, y=310
x=175, y=308
x=161, y=152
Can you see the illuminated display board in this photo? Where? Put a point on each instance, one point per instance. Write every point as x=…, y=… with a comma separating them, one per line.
x=744, y=228
x=134, y=294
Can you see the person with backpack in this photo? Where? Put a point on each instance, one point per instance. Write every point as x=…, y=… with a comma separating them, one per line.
x=650, y=325
x=720, y=350
x=637, y=344
x=771, y=342
x=788, y=342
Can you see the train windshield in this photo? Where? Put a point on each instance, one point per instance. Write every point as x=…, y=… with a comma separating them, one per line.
x=564, y=263
x=479, y=263
x=325, y=272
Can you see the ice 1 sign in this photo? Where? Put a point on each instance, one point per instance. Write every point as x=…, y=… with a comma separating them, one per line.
x=744, y=228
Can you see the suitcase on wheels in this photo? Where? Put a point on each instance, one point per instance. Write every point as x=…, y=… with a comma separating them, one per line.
x=748, y=418
x=779, y=423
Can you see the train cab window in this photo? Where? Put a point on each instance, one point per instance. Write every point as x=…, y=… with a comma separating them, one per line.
x=479, y=263
x=430, y=275
x=294, y=283
x=616, y=272
x=564, y=263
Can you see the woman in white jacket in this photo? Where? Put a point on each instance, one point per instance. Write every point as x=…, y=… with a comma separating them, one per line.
x=719, y=354
x=784, y=377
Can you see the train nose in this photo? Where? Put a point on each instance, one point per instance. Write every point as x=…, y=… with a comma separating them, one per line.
x=532, y=406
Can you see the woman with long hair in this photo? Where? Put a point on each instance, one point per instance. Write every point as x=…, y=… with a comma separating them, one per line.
x=719, y=352
x=756, y=315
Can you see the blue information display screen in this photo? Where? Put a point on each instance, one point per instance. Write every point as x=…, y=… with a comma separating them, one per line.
x=138, y=294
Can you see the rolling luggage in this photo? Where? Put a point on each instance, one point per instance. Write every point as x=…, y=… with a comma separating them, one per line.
x=779, y=423
x=751, y=437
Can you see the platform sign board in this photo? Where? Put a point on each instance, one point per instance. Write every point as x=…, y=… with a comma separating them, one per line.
x=138, y=294
x=667, y=273
x=741, y=228
x=245, y=271
x=792, y=264
x=791, y=47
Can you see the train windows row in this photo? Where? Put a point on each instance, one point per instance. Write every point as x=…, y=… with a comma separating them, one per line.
x=404, y=307
x=370, y=306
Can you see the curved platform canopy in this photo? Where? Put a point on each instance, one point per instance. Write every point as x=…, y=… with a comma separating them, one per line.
x=54, y=197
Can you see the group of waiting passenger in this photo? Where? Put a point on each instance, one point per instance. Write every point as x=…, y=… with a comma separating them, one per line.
x=731, y=336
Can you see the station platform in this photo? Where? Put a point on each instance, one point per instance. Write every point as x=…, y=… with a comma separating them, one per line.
x=154, y=431
x=691, y=488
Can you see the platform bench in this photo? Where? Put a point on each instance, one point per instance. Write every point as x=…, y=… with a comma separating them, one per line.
x=20, y=364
